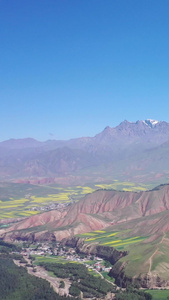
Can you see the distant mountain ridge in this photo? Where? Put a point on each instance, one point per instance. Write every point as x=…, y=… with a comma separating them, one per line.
x=126, y=126
x=118, y=152
x=147, y=128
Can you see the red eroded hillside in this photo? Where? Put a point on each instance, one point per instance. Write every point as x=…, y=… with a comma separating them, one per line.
x=98, y=210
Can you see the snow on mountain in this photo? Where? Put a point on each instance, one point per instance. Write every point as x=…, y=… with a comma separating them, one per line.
x=150, y=122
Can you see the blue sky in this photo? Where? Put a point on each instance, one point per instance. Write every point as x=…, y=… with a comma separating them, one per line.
x=69, y=68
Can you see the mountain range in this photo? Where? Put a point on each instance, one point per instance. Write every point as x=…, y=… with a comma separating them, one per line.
x=135, y=151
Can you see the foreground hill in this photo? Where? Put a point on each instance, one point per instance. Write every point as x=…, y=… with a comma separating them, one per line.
x=136, y=151
x=135, y=222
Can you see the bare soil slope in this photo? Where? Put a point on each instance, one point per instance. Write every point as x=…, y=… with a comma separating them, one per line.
x=97, y=211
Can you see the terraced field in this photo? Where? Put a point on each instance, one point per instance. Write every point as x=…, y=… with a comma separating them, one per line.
x=118, y=240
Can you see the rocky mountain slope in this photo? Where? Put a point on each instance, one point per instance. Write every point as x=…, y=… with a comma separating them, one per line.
x=137, y=151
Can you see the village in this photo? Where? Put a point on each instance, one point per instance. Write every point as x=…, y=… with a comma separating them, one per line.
x=92, y=262
x=50, y=206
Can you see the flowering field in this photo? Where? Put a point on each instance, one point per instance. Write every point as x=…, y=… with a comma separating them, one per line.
x=20, y=200
x=117, y=240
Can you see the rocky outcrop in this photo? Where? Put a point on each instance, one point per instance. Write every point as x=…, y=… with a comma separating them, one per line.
x=152, y=281
x=118, y=272
x=28, y=236
x=148, y=281
x=108, y=253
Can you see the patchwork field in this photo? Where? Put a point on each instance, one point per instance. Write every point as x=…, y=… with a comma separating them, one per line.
x=22, y=200
x=60, y=260
x=143, y=256
x=124, y=186
x=49, y=259
x=118, y=240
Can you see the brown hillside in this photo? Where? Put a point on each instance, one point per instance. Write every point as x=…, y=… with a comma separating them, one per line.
x=100, y=210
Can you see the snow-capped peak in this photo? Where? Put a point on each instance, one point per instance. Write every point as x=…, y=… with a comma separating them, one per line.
x=150, y=122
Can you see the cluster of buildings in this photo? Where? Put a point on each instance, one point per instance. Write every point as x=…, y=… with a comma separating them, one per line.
x=44, y=249
x=52, y=206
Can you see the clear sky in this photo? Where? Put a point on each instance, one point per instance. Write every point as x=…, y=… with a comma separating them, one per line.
x=69, y=68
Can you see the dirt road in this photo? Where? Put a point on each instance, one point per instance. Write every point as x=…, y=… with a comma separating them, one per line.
x=42, y=273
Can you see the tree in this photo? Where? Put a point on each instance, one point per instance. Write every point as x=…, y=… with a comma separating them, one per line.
x=62, y=284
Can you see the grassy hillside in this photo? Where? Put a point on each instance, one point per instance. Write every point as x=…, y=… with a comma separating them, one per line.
x=119, y=240
x=147, y=253
x=159, y=294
